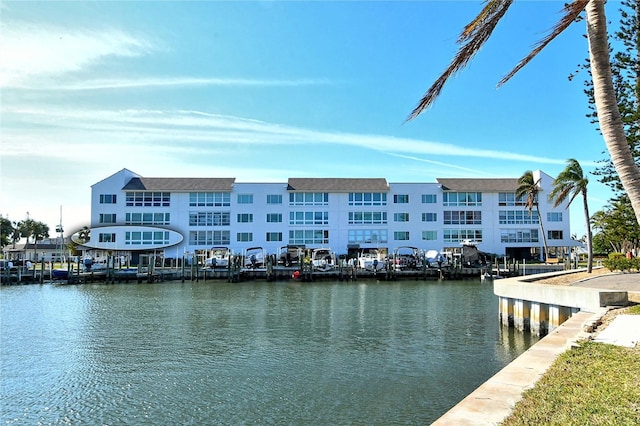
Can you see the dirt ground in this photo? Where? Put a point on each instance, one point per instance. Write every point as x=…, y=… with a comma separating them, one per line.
x=571, y=278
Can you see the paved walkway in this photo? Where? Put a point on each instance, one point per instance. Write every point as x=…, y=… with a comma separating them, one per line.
x=623, y=282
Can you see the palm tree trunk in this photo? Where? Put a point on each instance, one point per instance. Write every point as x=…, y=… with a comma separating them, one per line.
x=589, y=236
x=607, y=105
x=545, y=255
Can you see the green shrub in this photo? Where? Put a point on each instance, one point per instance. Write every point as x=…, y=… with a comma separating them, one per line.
x=619, y=262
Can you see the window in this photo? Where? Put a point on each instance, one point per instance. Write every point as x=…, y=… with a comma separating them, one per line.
x=367, y=199
x=460, y=235
x=106, y=237
x=554, y=235
x=107, y=198
x=367, y=218
x=554, y=216
x=308, y=198
x=274, y=236
x=148, y=199
x=146, y=238
x=519, y=236
x=309, y=236
x=209, y=199
x=209, y=238
x=517, y=217
x=401, y=217
x=401, y=198
x=245, y=218
x=147, y=218
x=429, y=217
x=509, y=199
x=357, y=236
x=107, y=218
x=401, y=235
x=274, y=198
x=462, y=217
x=462, y=198
x=274, y=218
x=308, y=218
x=429, y=235
x=209, y=218
x=243, y=237
x=429, y=198
x=245, y=198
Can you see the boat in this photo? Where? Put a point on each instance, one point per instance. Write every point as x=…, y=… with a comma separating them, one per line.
x=471, y=257
x=290, y=256
x=323, y=259
x=254, y=257
x=436, y=259
x=60, y=274
x=405, y=258
x=218, y=257
x=372, y=260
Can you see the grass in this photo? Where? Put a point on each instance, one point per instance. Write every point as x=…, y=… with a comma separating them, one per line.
x=594, y=384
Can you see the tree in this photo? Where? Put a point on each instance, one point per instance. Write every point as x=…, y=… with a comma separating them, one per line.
x=84, y=235
x=616, y=229
x=625, y=69
x=571, y=182
x=479, y=30
x=6, y=231
x=30, y=228
x=529, y=188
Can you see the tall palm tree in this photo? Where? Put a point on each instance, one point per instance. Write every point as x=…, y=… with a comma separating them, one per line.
x=529, y=188
x=572, y=182
x=478, y=31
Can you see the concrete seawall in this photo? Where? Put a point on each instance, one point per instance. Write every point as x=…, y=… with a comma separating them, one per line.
x=494, y=400
x=529, y=306
x=566, y=314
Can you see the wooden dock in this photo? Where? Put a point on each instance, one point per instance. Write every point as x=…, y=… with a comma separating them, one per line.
x=277, y=273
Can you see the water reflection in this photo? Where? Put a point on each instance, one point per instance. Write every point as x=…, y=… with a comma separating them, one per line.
x=203, y=353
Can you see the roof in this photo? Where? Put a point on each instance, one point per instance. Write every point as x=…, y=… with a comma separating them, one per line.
x=338, y=184
x=479, y=184
x=180, y=184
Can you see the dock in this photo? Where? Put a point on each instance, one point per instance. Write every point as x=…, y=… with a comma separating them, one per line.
x=233, y=274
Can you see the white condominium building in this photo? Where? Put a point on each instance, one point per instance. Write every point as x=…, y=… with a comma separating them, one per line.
x=133, y=215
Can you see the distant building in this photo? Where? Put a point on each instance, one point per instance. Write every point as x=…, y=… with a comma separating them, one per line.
x=56, y=249
x=133, y=215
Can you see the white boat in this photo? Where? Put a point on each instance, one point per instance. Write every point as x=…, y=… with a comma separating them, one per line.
x=323, y=259
x=254, y=257
x=372, y=260
x=218, y=257
x=436, y=259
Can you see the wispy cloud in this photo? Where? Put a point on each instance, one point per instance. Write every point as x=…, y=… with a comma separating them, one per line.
x=35, y=50
x=132, y=83
x=185, y=131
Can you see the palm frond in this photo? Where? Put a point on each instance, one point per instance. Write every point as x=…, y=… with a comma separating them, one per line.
x=473, y=38
x=479, y=21
x=571, y=12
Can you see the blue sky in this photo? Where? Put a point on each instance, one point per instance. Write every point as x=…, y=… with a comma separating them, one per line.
x=264, y=91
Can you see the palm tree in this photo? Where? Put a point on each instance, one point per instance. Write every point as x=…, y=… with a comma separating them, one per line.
x=529, y=189
x=30, y=228
x=478, y=31
x=572, y=182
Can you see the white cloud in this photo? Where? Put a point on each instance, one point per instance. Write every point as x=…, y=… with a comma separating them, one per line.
x=35, y=50
x=204, y=131
x=176, y=82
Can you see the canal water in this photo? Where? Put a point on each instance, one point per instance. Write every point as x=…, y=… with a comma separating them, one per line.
x=203, y=353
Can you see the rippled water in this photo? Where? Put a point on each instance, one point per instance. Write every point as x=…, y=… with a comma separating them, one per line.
x=251, y=353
